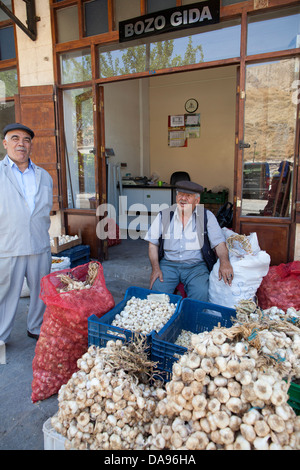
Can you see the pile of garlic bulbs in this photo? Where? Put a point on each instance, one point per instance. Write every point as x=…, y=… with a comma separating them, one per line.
x=71, y=284
x=278, y=333
x=222, y=395
x=145, y=315
x=247, y=310
x=104, y=406
x=184, y=338
x=63, y=239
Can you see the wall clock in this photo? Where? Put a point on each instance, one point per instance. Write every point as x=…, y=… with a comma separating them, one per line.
x=191, y=105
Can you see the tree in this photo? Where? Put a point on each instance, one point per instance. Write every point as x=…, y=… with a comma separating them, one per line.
x=161, y=55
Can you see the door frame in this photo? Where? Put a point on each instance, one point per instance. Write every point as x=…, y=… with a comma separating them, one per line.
x=86, y=220
x=100, y=162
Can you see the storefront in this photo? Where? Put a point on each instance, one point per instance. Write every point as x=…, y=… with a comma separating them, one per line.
x=240, y=68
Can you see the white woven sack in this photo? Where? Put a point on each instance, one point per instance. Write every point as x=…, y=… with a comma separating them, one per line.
x=65, y=263
x=248, y=269
x=25, y=292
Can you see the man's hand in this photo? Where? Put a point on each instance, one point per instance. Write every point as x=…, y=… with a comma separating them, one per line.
x=156, y=271
x=225, y=270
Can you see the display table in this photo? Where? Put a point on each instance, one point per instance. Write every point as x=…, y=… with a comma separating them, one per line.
x=144, y=200
x=149, y=196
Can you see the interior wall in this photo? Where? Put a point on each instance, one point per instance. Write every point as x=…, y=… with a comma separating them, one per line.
x=126, y=110
x=209, y=159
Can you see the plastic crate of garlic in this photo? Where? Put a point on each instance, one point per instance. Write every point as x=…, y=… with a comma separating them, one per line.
x=145, y=315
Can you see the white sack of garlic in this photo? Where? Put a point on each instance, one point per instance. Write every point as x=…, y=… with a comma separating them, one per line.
x=145, y=315
x=222, y=395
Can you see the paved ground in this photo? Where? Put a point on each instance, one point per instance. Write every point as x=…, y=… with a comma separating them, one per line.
x=21, y=421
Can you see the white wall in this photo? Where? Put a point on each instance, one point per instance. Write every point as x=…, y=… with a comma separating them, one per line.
x=208, y=159
x=35, y=57
x=126, y=107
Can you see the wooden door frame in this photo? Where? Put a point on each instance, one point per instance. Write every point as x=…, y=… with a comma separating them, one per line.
x=239, y=135
x=86, y=219
x=100, y=161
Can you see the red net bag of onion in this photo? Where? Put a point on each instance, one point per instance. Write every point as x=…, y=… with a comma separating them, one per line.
x=281, y=287
x=64, y=332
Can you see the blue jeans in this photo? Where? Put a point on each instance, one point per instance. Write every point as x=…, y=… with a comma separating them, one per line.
x=194, y=277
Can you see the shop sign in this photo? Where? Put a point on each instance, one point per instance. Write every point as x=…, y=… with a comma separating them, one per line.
x=188, y=16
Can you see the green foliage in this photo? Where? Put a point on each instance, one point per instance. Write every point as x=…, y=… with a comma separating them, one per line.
x=76, y=68
x=160, y=55
x=9, y=82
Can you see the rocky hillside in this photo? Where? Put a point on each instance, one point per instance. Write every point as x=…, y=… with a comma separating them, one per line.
x=270, y=115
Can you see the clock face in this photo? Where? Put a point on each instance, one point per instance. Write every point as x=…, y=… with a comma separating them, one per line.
x=191, y=105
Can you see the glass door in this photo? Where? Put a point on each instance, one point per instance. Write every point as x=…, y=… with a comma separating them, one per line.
x=267, y=155
x=269, y=138
x=79, y=148
x=84, y=164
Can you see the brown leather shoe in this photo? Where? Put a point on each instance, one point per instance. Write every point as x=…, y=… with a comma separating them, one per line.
x=32, y=335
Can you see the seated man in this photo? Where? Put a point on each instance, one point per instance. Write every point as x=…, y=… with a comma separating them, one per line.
x=183, y=240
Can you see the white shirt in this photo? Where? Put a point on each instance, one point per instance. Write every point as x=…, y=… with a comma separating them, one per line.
x=26, y=181
x=182, y=244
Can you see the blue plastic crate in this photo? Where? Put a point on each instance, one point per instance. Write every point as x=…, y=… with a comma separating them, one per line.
x=79, y=254
x=100, y=329
x=194, y=316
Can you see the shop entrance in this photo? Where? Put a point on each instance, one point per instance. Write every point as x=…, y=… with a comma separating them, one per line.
x=129, y=127
x=137, y=128
x=131, y=119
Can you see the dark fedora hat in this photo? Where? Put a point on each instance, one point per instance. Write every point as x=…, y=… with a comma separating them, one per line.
x=17, y=126
x=188, y=187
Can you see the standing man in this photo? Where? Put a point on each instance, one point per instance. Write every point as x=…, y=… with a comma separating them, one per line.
x=25, y=205
x=183, y=241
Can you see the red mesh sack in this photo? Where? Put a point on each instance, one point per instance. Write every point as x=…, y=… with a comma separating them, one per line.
x=280, y=287
x=64, y=332
x=113, y=233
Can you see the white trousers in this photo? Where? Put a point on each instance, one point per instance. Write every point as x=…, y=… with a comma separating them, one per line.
x=12, y=273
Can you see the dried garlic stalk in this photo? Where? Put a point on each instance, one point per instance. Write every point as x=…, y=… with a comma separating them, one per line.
x=74, y=284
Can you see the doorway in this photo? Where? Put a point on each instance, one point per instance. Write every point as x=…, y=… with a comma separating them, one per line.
x=134, y=121
x=136, y=127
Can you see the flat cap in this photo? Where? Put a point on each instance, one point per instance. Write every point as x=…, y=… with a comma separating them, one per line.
x=17, y=126
x=188, y=187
